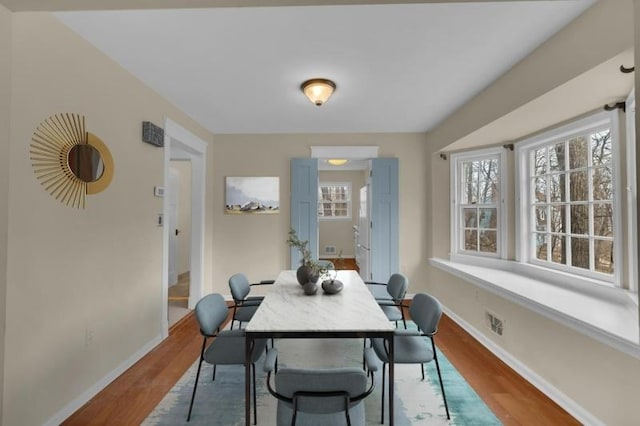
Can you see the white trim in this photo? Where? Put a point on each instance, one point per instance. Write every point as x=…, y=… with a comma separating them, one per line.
x=560, y=398
x=85, y=396
x=180, y=143
x=456, y=238
x=348, y=152
x=540, y=290
x=632, y=192
x=524, y=242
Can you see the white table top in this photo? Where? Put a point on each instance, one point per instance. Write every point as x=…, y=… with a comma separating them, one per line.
x=287, y=309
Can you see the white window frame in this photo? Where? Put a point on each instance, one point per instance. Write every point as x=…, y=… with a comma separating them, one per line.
x=524, y=245
x=457, y=246
x=632, y=192
x=349, y=201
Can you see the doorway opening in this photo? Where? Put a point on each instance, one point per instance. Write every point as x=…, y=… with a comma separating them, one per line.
x=182, y=146
x=179, y=224
x=342, y=239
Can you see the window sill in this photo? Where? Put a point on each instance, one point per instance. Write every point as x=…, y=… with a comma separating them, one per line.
x=607, y=314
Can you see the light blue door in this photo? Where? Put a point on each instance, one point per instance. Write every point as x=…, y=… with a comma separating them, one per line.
x=304, y=205
x=384, y=218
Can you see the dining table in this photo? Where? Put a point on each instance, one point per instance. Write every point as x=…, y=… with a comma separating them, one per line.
x=287, y=312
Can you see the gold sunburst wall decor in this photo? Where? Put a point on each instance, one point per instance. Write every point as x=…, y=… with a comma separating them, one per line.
x=68, y=161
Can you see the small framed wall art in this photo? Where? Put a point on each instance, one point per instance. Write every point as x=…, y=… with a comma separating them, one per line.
x=252, y=195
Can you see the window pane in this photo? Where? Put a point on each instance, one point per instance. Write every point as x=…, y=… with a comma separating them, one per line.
x=340, y=209
x=477, y=203
x=488, y=241
x=488, y=218
x=558, y=252
x=558, y=221
x=540, y=190
x=541, y=218
x=602, y=184
x=470, y=183
x=557, y=190
x=541, y=246
x=580, y=219
x=470, y=218
x=556, y=157
x=601, y=148
x=539, y=161
x=488, y=181
x=471, y=240
x=580, y=252
x=604, y=256
x=571, y=187
x=341, y=194
x=578, y=186
x=603, y=220
x=578, y=153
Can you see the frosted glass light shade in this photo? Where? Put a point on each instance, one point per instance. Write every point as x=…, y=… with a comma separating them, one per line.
x=337, y=161
x=318, y=90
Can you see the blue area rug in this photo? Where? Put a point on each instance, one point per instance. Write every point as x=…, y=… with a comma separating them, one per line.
x=417, y=402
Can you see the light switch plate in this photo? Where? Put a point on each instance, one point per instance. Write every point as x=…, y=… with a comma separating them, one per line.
x=158, y=191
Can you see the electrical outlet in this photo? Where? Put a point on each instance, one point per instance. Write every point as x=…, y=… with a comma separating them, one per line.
x=494, y=323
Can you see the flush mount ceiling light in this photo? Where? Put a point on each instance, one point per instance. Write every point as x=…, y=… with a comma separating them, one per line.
x=318, y=90
x=337, y=161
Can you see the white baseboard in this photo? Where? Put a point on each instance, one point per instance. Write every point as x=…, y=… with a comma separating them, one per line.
x=569, y=405
x=74, y=405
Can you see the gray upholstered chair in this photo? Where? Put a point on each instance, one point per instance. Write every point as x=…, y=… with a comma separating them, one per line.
x=390, y=296
x=244, y=306
x=227, y=347
x=411, y=346
x=327, y=264
x=318, y=397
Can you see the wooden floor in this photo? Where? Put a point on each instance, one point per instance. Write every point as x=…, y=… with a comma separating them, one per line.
x=132, y=396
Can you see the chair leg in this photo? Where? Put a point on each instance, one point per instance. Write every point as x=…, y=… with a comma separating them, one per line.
x=404, y=320
x=346, y=410
x=214, y=372
x=444, y=397
x=233, y=316
x=384, y=369
x=422, y=370
x=195, y=385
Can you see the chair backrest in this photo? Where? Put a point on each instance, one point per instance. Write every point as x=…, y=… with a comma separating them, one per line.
x=426, y=311
x=240, y=287
x=211, y=312
x=353, y=381
x=327, y=264
x=397, y=286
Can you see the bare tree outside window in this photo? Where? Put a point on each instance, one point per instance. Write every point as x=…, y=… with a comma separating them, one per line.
x=479, y=205
x=572, y=202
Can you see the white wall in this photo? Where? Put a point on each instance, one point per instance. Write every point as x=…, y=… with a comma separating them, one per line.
x=84, y=287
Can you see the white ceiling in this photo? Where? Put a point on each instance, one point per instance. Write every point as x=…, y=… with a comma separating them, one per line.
x=398, y=68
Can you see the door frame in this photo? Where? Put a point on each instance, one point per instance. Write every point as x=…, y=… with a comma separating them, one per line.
x=181, y=144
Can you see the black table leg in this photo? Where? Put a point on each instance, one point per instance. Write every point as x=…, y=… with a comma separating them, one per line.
x=247, y=379
x=391, y=374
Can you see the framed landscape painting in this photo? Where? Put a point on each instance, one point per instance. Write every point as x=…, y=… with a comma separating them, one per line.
x=252, y=195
